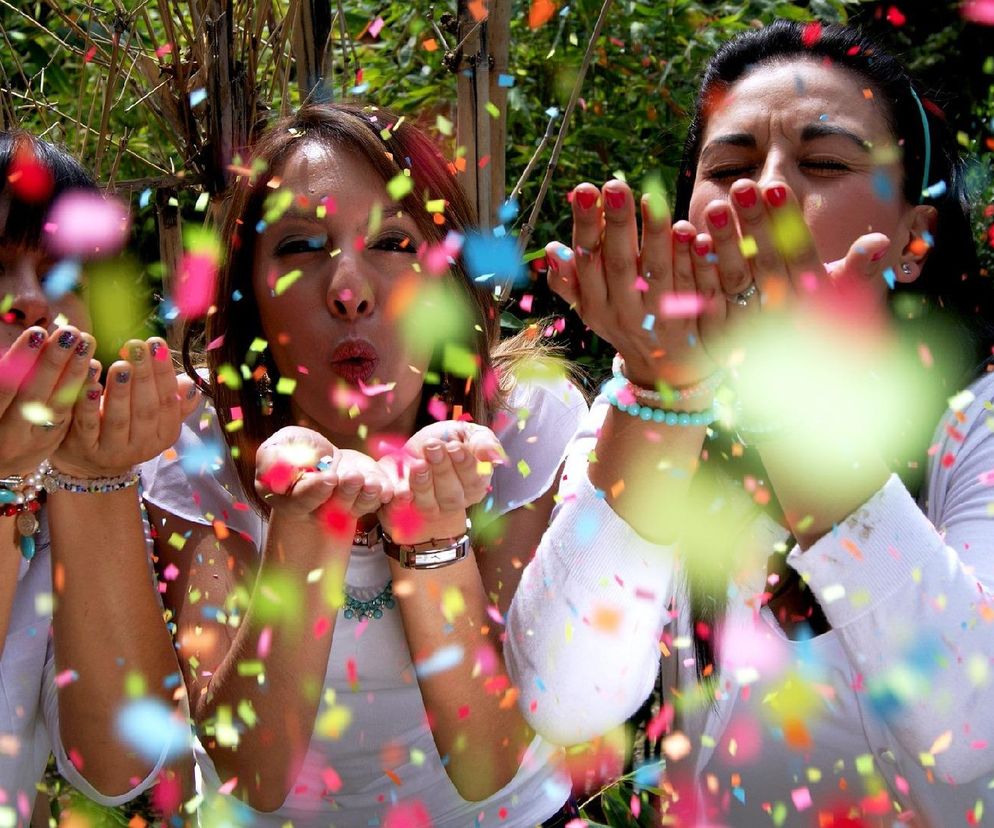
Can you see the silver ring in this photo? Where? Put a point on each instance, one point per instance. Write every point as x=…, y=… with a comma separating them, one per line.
x=48, y=425
x=742, y=298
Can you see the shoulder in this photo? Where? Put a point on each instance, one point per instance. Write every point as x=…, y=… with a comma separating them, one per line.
x=543, y=413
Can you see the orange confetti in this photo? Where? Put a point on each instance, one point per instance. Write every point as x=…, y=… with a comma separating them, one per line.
x=796, y=734
x=606, y=619
x=220, y=530
x=431, y=45
x=852, y=549
x=479, y=10
x=540, y=13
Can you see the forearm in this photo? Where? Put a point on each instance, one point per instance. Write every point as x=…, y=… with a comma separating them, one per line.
x=269, y=684
x=10, y=562
x=645, y=470
x=473, y=715
x=108, y=629
x=819, y=490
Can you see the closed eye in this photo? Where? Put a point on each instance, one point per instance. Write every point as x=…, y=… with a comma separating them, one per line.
x=826, y=166
x=394, y=242
x=726, y=173
x=307, y=244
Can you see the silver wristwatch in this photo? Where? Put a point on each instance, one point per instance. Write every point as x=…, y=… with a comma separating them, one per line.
x=432, y=554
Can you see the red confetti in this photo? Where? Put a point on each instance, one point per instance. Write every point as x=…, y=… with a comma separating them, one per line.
x=896, y=17
x=30, y=180
x=811, y=34
x=979, y=11
x=540, y=13
x=948, y=459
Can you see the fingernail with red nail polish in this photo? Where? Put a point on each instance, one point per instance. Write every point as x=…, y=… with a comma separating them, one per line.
x=683, y=236
x=615, y=199
x=586, y=199
x=702, y=248
x=776, y=196
x=552, y=262
x=718, y=217
x=93, y=394
x=745, y=198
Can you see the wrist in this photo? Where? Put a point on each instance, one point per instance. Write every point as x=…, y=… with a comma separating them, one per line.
x=451, y=524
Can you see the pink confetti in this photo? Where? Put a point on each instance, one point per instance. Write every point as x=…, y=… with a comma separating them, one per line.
x=321, y=626
x=979, y=11
x=163, y=50
x=264, y=643
x=635, y=804
x=681, y=305
x=65, y=678
x=171, y=572
x=376, y=27
x=215, y=343
x=438, y=409
x=228, y=786
x=351, y=671
x=526, y=302
x=332, y=781
x=376, y=390
x=986, y=478
x=195, y=283
x=85, y=224
x=641, y=285
x=494, y=614
x=802, y=798
x=410, y=814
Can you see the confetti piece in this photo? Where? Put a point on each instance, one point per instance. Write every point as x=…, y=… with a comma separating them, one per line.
x=84, y=224
x=151, y=729
x=284, y=282
x=979, y=11
x=444, y=658
x=681, y=305
x=748, y=246
x=407, y=814
x=399, y=186
x=962, y=400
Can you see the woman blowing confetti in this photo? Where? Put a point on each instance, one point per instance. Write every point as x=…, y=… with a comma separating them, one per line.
x=64, y=680
x=824, y=618
x=336, y=617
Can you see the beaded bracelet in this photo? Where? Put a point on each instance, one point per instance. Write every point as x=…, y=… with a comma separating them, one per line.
x=656, y=415
x=21, y=498
x=705, y=388
x=94, y=485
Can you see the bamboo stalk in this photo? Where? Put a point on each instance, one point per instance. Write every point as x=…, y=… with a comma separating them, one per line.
x=108, y=98
x=499, y=40
x=529, y=226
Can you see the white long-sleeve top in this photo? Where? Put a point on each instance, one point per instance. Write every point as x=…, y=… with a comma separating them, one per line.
x=29, y=705
x=890, y=712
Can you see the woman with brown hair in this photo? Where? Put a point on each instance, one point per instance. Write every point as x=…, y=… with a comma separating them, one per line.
x=337, y=620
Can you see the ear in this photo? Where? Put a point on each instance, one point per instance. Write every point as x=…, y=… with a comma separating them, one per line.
x=921, y=221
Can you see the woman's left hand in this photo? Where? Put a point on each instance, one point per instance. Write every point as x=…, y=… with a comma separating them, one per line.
x=439, y=473
x=772, y=263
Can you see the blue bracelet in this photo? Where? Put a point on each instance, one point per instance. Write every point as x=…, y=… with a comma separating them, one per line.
x=657, y=415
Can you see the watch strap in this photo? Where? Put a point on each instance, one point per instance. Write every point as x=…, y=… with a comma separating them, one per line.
x=431, y=554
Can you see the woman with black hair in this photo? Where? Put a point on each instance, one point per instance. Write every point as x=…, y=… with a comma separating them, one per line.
x=64, y=682
x=825, y=639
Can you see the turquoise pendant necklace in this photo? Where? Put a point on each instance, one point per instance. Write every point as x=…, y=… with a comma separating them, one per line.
x=373, y=608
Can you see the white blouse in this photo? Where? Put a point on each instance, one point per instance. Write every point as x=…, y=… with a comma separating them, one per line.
x=386, y=757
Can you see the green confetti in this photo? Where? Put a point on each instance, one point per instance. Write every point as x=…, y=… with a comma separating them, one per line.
x=250, y=668
x=443, y=125
x=134, y=685
x=399, y=186
x=493, y=109
x=459, y=361
x=258, y=345
x=247, y=713
x=286, y=385
x=523, y=468
x=276, y=204
x=435, y=205
x=229, y=376
x=284, y=282
x=177, y=541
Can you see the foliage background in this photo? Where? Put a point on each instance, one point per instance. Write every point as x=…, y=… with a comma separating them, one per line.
x=124, y=86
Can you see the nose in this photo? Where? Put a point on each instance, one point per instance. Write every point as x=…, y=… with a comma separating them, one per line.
x=30, y=305
x=776, y=169
x=350, y=293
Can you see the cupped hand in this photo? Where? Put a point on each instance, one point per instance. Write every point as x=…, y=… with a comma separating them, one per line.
x=40, y=379
x=642, y=298
x=440, y=472
x=302, y=475
x=135, y=418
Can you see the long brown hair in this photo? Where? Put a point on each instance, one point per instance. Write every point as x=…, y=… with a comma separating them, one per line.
x=392, y=146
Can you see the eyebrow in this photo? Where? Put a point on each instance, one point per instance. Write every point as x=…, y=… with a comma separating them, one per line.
x=309, y=214
x=809, y=133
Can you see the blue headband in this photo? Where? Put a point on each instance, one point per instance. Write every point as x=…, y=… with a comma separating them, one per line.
x=928, y=145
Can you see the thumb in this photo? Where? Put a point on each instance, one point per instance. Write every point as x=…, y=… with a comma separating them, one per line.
x=865, y=260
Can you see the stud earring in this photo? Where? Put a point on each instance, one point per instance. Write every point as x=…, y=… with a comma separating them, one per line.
x=264, y=389
x=905, y=268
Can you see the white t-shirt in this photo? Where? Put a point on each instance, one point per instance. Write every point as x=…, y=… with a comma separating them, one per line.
x=386, y=758
x=888, y=712
x=29, y=707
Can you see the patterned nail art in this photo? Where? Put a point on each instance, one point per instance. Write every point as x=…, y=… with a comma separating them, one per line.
x=123, y=377
x=83, y=348
x=93, y=394
x=154, y=349
x=66, y=339
x=36, y=339
x=91, y=374
x=136, y=354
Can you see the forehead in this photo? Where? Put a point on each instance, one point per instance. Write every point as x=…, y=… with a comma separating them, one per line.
x=789, y=95
x=316, y=169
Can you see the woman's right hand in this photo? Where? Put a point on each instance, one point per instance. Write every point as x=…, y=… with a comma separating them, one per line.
x=643, y=300
x=304, y=476
x=40, y=379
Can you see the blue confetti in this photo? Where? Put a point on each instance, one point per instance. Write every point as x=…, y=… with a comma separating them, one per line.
x=62, y=278
x=499, y=258
x=552, y=112
x=649, y=322
x=936, y=190
x=444, y=658
x=883, y=187
x=586, y=527
x=361, y=89
x=150, y=727
x=236, y=296
x=505, y=81
x=648, y=775
x=508, y=211
x=208, y=456
x=890, y=277
x=145, y=198
x=197, y=96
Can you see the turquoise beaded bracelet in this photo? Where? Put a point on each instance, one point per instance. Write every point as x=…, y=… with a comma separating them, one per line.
x=657, y=415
